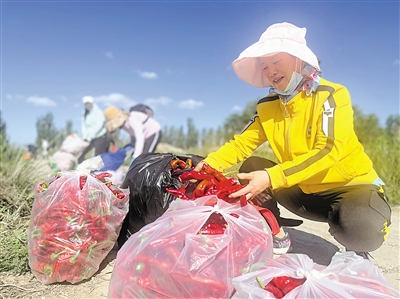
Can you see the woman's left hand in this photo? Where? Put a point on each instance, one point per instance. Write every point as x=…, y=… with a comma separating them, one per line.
x=258, y=181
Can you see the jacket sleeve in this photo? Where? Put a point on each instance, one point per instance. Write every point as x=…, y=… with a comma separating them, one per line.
x=333, y=133
x=93, y=125
x=239, y=148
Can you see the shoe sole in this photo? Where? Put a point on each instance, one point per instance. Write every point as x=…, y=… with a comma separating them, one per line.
x=280, y=251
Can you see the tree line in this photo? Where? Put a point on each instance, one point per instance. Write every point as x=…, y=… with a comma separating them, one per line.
x=381, y=143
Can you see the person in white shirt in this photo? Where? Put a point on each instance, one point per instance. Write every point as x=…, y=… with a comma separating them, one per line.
x=45, y=146
x=93, y=129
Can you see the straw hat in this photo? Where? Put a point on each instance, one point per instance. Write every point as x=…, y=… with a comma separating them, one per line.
x=280, y=37
x=115, y=118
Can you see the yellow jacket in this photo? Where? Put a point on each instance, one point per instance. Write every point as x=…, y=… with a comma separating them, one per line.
x=312, y=137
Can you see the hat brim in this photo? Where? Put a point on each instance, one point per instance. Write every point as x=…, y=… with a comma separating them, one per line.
x=247, y=65
x=117, y=122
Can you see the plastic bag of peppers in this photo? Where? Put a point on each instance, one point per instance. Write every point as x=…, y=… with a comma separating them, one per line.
x=74, y=224
x=297, y=276
x=192, y=251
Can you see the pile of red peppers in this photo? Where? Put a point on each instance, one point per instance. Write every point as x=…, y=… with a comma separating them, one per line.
x=209, y=181
x=281, y=285
x=181, y=264
x=74, y=224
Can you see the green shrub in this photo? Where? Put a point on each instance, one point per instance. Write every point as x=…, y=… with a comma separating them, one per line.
x=19, y=178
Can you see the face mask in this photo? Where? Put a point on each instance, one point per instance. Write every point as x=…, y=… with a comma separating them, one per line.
x=293, y=83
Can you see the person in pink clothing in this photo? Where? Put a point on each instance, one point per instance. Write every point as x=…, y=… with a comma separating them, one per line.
x=145, y=130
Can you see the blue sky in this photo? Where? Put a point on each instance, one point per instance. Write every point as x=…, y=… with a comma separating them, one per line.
x=176, y=56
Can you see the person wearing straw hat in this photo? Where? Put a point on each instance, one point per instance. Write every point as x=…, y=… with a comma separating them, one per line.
x=323, y=173
x=93, y=129
x=142, y=128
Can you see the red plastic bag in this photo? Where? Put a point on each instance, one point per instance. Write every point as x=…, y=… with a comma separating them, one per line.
x=192, y=251
x=74, y=224
x=347, y=276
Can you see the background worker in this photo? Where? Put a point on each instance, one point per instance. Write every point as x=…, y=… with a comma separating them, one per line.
x=142, y=128
x=93, y=129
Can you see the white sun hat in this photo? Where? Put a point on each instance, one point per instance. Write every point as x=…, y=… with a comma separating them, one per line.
x=280, y=37
x=87, y=99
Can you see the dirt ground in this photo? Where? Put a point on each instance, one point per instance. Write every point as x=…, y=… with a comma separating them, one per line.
x=311, y=238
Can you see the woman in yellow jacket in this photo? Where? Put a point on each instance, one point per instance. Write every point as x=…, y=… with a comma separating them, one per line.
x=323, y=173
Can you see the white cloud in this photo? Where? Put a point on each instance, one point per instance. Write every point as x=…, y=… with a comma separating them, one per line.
x=160, y=101
x=8, y=97
x=109, y=55
x=115, y=99
x=396, y=62
x=41, y=101
x=147, y=75
x=237, y=108
x=190, y=104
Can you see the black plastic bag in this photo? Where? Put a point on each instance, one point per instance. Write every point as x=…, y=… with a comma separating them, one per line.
x=147, y=179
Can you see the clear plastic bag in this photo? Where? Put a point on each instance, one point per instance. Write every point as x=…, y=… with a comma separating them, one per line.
x=64, y=161
x=347, y=276
x=183, y=254
x=74, y=224
x=73, y=144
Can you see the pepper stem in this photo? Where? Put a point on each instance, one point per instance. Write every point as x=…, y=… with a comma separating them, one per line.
x=260, y=282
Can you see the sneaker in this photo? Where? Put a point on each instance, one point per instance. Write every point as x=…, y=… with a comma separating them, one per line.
x=364, y=255
x=281, y=245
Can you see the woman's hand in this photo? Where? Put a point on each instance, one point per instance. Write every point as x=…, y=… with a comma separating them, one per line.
x=199, y=166
x=258, y=181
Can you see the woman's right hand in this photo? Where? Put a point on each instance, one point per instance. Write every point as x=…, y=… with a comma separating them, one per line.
x=197, y=168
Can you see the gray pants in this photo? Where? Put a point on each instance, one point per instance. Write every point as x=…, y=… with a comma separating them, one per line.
x=358, y=215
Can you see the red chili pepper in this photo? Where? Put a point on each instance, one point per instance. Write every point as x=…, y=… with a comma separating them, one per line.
x=270, y=218
x=174, y=164
x=211, y=231
x=82, y=181
x=195, y=175
x=201, y=287
x=202, y=187
x=225, y=192
x=161, y=243
x=118, y=193
x=173, y=253
x=177, y=193
x=102, y=176
x=270, y=287
x=215, y=173
x=162, y=265
x=227, y=183
x=274, y=290
x=286, y=283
